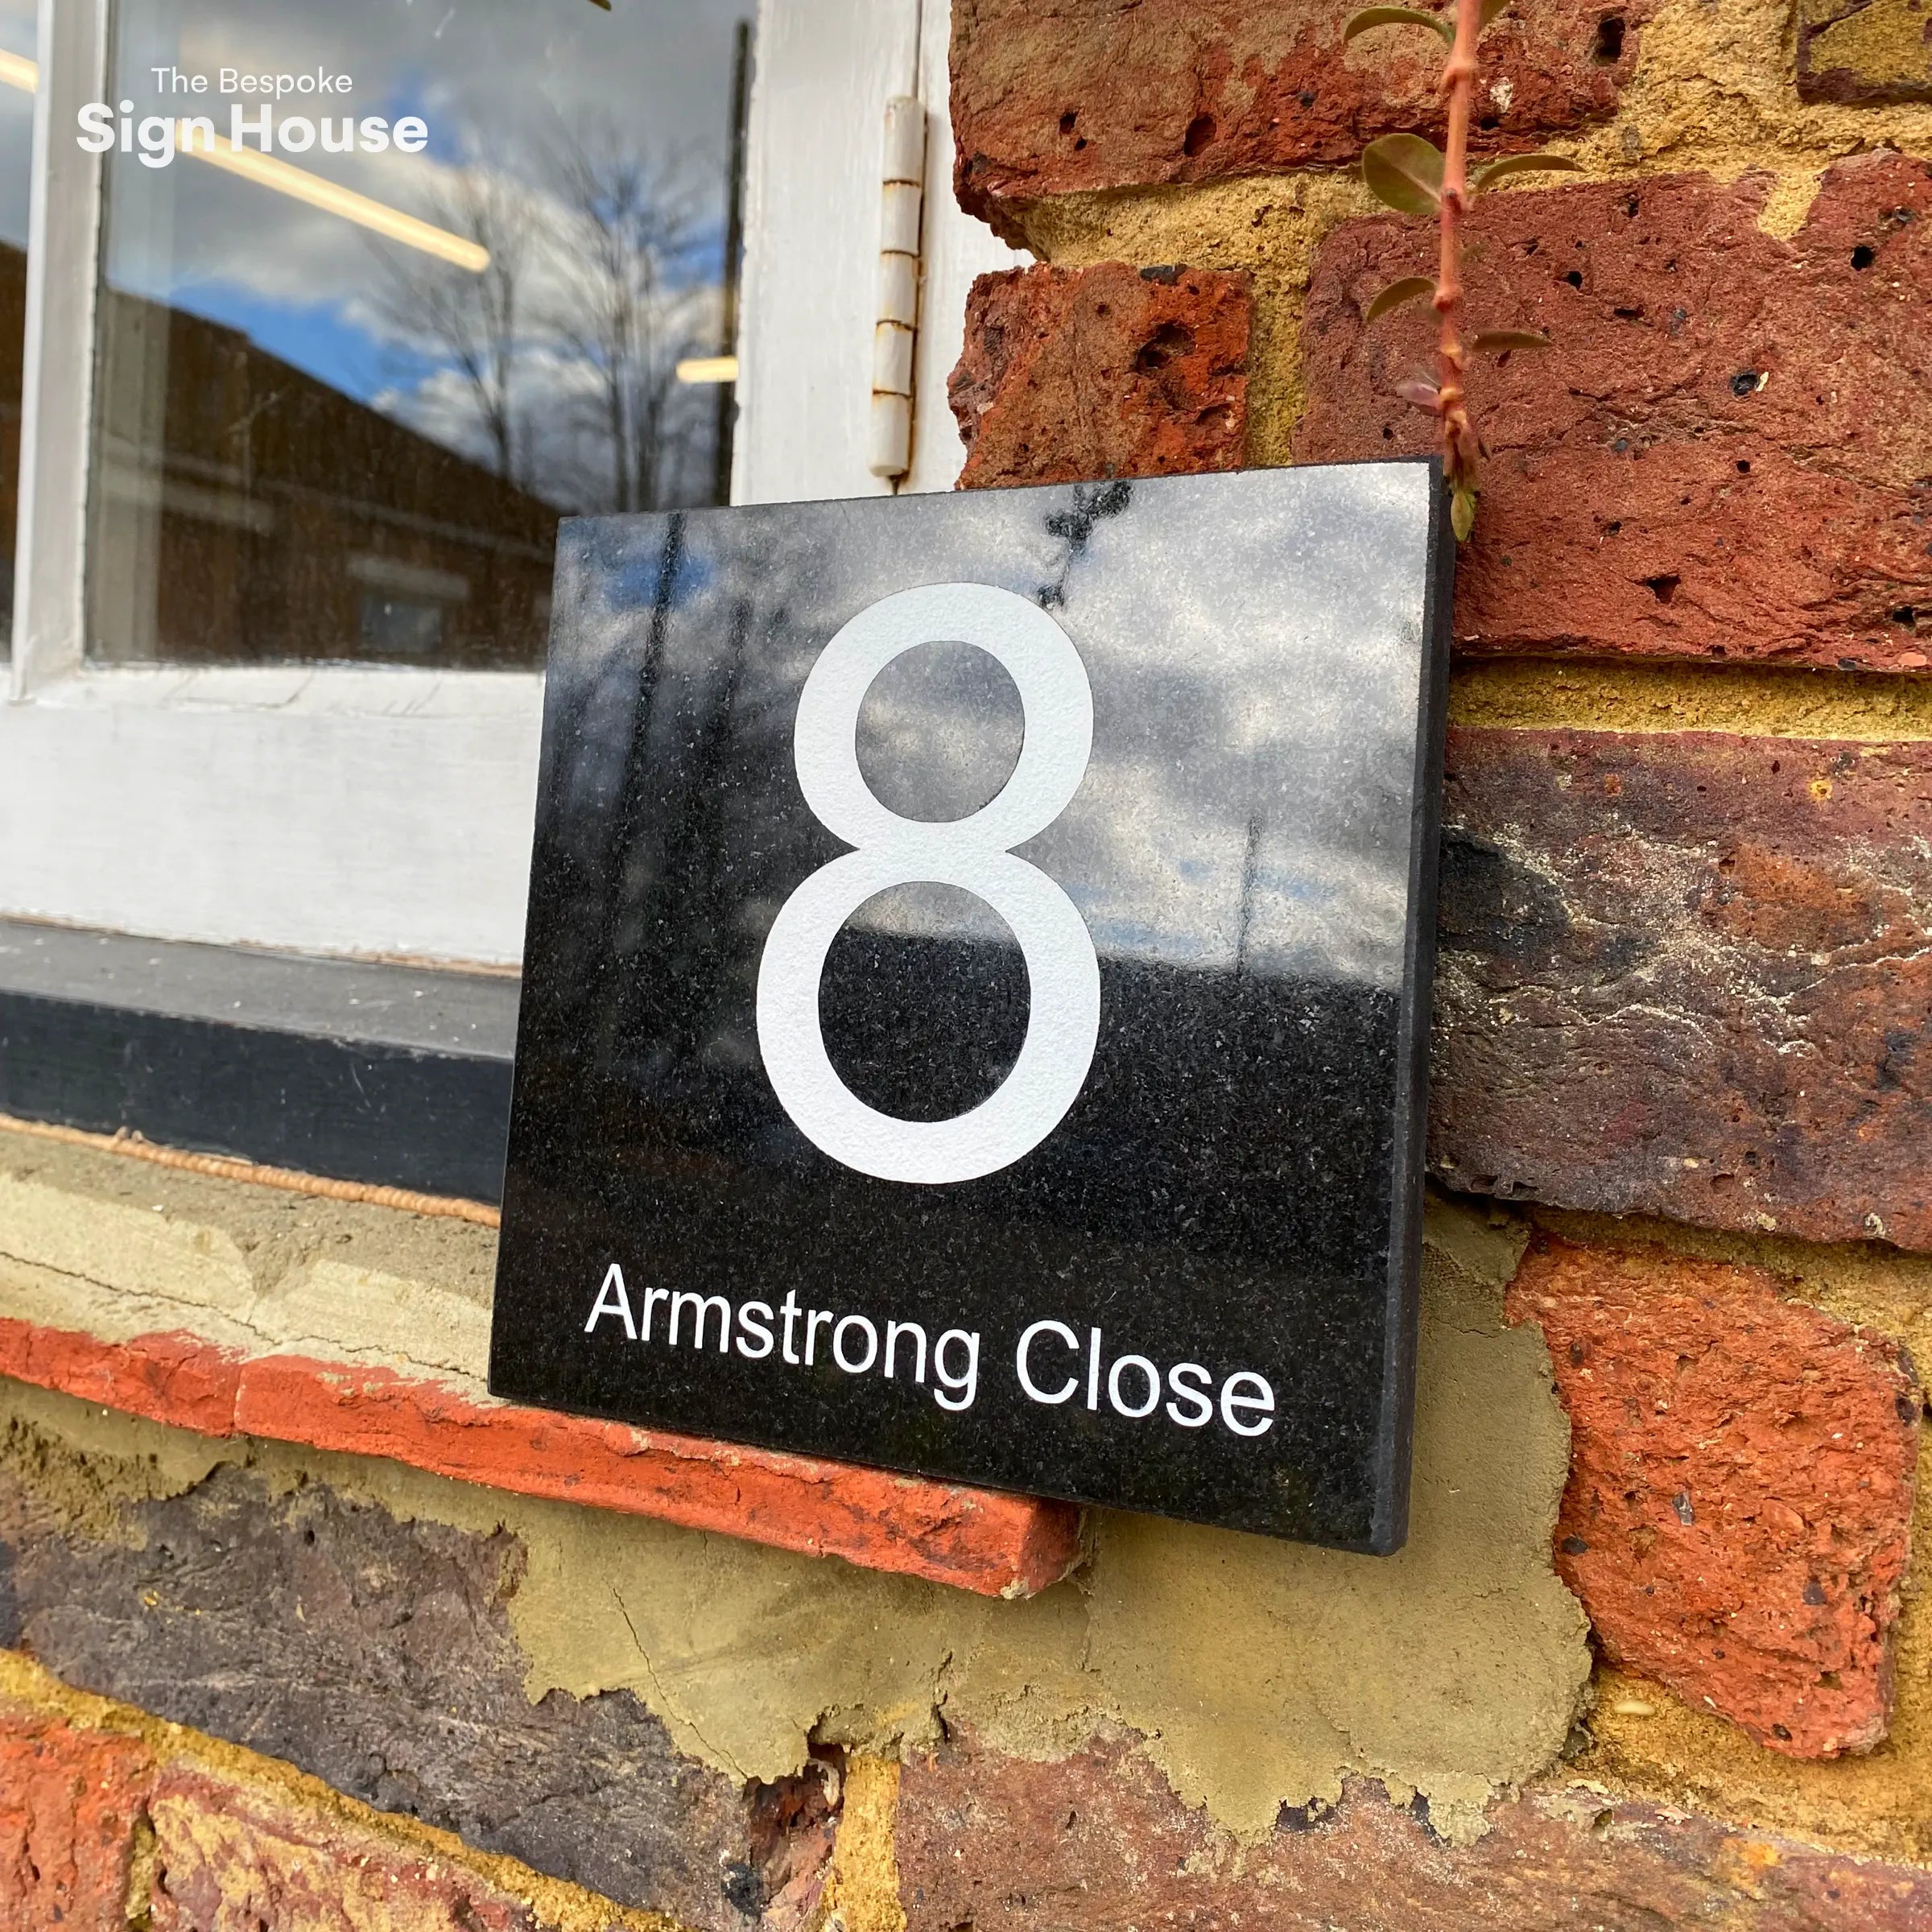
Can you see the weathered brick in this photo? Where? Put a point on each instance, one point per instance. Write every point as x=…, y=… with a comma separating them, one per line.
x=1111, y=93
x=1739, y=1511
x=377, y=1655
x=1098, y=1840
x=69, y=1800
x=232, y=1858
x=1069, y=374
x=175, y=1377
x=1864, y=52
x=102, y=1830
x=974, y=1539
x=1721, y=456
x=1689, y=975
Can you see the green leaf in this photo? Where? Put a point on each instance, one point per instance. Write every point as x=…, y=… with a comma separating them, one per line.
x=1492, y=10
x=1404, y=172
x=1397, y=16
x=1411, y=288
x=605, y=4
x=1524, y=164
x=1500, y=341
x=1461, y=512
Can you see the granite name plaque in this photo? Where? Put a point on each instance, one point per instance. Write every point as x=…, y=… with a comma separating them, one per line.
x=977, y=988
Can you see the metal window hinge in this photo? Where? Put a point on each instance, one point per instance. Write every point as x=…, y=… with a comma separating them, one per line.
x=889, y=450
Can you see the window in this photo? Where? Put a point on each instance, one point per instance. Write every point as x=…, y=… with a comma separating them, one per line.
x=297, y=425
x=344, y=390
x=18, y=72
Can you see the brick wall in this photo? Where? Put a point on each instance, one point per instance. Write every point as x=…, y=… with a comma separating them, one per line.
x=113, y=1822
x=1684, y=1007
x=1681, y=1139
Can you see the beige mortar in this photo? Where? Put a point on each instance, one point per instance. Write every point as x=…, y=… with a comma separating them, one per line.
x=1260, y=1672
x=1268, y=225
x=747, y=1653
x=862, y=1889
x=117, y=1248
x=1713, y=90
x=1883, y=42
x=1866, y=707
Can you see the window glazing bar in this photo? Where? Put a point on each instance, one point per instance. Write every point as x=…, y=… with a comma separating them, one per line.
x=63, y=252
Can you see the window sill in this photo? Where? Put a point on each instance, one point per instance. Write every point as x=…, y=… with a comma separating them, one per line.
x=388, y=1076
x=317, y=691
x=270, y=1306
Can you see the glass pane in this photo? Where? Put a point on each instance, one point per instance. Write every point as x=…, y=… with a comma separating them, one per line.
x=17, y=79
x=484, y=276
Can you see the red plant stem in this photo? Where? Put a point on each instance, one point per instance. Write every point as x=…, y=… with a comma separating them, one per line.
x=1460, y=446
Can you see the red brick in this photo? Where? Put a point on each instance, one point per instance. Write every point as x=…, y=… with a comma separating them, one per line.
x=69, y=1800
x=1099, y=1841
x=1111, y=371
x=977, y=1539
x=1739, y=1512
x=982, y=1540
x=1688, y=974
x=175, y=1378
x=1634, y=502
x=235, y=1858
x=1112, y=93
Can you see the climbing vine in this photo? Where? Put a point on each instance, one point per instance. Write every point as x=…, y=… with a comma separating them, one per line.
x=1413, y=176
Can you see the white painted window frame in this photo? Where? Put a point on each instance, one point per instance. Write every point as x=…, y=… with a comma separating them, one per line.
x=387, y=811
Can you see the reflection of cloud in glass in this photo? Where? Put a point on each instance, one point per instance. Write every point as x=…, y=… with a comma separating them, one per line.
x=1255, y=646
x=17, y=36
x=506, y=88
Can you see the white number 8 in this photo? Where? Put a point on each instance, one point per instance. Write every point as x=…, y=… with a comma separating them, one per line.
x=972, y=853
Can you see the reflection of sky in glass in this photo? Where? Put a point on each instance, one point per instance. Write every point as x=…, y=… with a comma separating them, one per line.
x=1255, y=648
x=17, y=36
x=504, y=86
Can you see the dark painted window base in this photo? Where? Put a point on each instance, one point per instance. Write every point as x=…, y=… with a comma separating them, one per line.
x=394, y=1075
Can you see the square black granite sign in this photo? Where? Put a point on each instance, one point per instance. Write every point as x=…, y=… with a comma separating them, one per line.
x=977, y=982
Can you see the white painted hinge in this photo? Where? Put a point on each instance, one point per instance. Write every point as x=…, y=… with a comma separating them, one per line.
x=890, y=452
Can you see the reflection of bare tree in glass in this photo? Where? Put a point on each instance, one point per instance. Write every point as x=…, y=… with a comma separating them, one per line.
x=473, y=318
x=631, y=230
x=560, y=356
